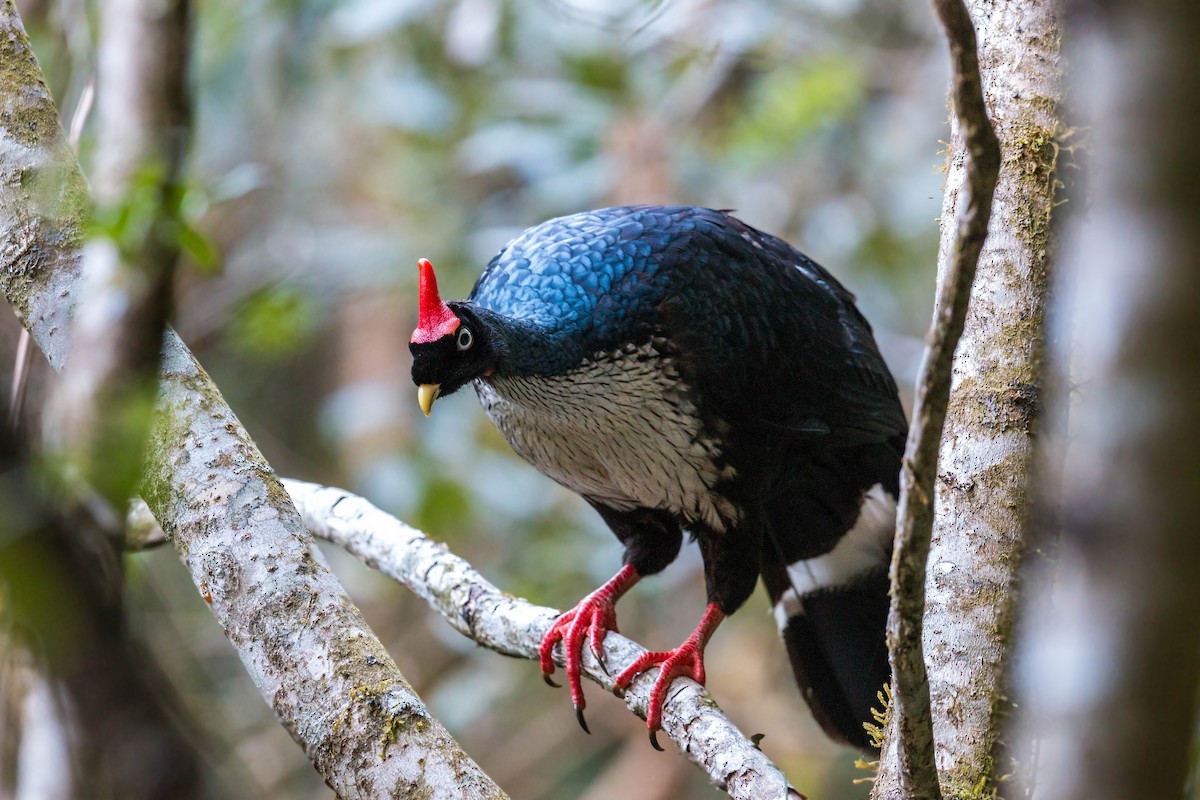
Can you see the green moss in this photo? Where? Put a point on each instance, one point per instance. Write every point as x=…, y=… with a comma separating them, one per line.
x=964, y=789
x=1032, y=157
x=29, y=116
x=882, y=716
x=170, y=429
x=54, y=201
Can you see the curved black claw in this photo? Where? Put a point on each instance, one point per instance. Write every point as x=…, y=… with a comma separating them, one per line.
x=654, y=742
x=550, y=681
x=582, y=721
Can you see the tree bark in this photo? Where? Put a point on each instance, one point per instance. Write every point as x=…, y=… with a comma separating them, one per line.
x=514, y=627
x=1110, y=659
x=992, y=420
x=907, y=766
x=302, y=640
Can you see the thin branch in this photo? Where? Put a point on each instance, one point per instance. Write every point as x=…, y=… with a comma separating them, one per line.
x=514, y=627
x=300, y=637
x=908, y=768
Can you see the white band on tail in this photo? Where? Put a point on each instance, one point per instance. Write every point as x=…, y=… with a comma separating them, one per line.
x=864, y=548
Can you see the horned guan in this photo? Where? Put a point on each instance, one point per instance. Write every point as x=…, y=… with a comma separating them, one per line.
x=682, y=371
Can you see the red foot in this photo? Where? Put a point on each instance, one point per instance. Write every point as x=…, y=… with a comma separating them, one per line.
x=687, y=660
x=593, y=617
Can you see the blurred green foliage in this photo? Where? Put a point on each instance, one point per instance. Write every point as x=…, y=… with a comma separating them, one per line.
x=337, y=142
x=792, y=102
x=271, y=320
x=128, y=223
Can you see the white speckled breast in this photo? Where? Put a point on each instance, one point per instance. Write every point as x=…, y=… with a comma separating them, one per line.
x=619, y=430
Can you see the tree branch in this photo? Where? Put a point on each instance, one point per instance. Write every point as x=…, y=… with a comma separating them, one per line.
x=515, y=627
x=302, y=640
x=96, y=431
x=995, y=412
x=907, y=767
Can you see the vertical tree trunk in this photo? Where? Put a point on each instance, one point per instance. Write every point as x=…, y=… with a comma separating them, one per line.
x=987, y=445
x=907, y=766
x=1111, y=660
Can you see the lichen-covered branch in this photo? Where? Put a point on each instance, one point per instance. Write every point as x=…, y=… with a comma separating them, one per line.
x=515, y=627
x=302, y=640
x=907, y=766
x=994, y=414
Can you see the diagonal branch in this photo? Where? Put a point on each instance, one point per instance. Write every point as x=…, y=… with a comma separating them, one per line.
x=514, y=627
x=907, y=767
x=302, y=640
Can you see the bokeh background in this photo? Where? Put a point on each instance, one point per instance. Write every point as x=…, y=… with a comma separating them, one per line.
x=336, y=142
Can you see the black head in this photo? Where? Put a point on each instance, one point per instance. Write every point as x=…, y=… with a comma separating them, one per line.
x=451, y=346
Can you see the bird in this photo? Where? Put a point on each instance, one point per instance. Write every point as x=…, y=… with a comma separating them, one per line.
x=684, y=372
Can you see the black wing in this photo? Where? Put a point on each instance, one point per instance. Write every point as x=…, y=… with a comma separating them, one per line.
x=771, y=341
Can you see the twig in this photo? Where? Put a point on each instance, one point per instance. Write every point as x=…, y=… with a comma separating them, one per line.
x=911, y=734
x=514, y=627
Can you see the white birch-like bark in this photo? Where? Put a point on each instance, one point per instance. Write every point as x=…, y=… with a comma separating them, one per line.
x=1109, y=661
x=982, y=492
x=514, y=627
x=302, y=640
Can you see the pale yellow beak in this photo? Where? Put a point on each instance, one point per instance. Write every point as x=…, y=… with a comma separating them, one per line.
x=426, y=394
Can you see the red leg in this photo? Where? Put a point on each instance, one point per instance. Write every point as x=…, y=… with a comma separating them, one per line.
x=593, y=617
x=685, y=660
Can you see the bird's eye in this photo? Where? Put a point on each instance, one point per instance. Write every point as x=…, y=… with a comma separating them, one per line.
x=465, y=338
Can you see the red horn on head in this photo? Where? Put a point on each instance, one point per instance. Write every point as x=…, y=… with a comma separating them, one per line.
x=434, y=318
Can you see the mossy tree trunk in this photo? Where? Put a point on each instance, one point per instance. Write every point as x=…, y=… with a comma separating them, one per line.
x=987, y=448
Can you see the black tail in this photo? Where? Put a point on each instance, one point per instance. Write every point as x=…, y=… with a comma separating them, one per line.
x=825, y=568
x=836, y=642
